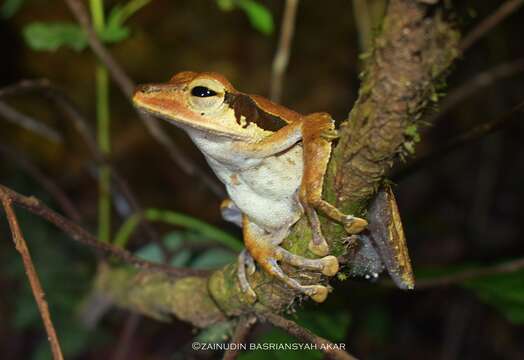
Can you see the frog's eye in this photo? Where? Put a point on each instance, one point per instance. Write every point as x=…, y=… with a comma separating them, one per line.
x=202, y=91
x=206, y=95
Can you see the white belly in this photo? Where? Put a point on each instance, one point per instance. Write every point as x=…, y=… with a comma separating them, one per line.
x=268, y=192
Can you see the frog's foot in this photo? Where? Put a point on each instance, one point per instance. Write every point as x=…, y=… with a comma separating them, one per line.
x=327, y=265
x=245, y=261
x=354, y=225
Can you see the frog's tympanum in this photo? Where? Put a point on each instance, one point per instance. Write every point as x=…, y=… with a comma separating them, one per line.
x=272, y=161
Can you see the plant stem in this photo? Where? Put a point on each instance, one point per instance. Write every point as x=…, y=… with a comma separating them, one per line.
x=103, y=130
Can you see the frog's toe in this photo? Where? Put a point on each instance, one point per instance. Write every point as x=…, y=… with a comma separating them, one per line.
x=318, y=293
x=354, y=225
x=329, y=134
x=330, y=265
x=319, y=249
x=246, y=261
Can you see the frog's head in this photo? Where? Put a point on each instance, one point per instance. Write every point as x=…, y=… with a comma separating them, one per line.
x=207, y=102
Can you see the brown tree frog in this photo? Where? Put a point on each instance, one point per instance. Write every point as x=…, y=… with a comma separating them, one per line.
x=272, y=161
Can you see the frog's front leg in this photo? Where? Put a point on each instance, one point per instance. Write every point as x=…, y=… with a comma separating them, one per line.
x=264, y=249
x=318, y=131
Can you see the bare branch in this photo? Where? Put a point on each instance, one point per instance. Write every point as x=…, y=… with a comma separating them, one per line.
x=77, y=233
x=460, y=277
x=242, y=330
x=470, y=135
x=47, y=183
x=126, y=337
x=477, y=83
x=32, y=275
x=127, y=87
x=80, y=123
x=303, y=334
x=29, y=123
x=486, y=25
x=281, y=59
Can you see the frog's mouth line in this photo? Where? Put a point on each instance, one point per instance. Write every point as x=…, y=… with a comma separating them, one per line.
x=196, y=123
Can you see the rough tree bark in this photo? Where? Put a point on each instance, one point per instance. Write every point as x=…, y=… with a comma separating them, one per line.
x=408, y=60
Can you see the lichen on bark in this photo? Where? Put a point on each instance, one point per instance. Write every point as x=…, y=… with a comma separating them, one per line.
x=409, y=57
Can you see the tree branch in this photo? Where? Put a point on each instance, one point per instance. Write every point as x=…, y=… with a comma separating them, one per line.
x=242, y=330
x=409, y=57
x=460, y=277
x=34, y=282
x=71, y=111
x=330, y=349
x=475, y=133
x=281, y=59
x=28, y=123
x=474, y=85
x=77, y=233
x=486, y=25
x=127, y=86
x=47, y=183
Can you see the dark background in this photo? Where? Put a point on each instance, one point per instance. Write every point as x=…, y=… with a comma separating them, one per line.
x=460, y=209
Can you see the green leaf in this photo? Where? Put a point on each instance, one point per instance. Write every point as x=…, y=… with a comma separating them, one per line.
x=114, y=30
x=50, y=36
x=10, y=7
x=197, y=226
x=226, y=5
x=213, y=258
x=259, y=16
x=172, y=241
x=504, y=291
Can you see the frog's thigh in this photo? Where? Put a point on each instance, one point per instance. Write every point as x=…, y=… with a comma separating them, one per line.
x=318, y=131
x=266, y=254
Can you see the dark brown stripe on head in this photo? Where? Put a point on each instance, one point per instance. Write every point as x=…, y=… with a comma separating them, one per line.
x=243, y=105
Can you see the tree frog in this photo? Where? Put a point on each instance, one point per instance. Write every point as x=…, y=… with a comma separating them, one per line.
x=272, y=161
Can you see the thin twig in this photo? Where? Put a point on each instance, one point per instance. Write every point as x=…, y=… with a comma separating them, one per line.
x=504, y=268
x=470, y=135
x=47, y=183
x=477, y=83
x=303, y=334
x=80, y=123
x=242, y=330
x=283, y=52
x=506, y=9
x=127, y=87
x=32, y=275
x=79, y=234
x=29, y=123
x=126, y=336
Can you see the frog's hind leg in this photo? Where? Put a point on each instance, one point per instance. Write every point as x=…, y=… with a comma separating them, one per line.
x=246, y=261
x=262, y=247
x=318, y=130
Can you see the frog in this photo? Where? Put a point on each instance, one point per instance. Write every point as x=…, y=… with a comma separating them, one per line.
x=272, y=161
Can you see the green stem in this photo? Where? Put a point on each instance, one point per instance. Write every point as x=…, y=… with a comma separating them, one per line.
x=103, y=130
x=173, y=218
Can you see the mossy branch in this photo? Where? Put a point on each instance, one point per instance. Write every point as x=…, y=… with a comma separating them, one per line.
x=415, y=48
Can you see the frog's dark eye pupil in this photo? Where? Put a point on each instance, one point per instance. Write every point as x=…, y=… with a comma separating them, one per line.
x=202, y=91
